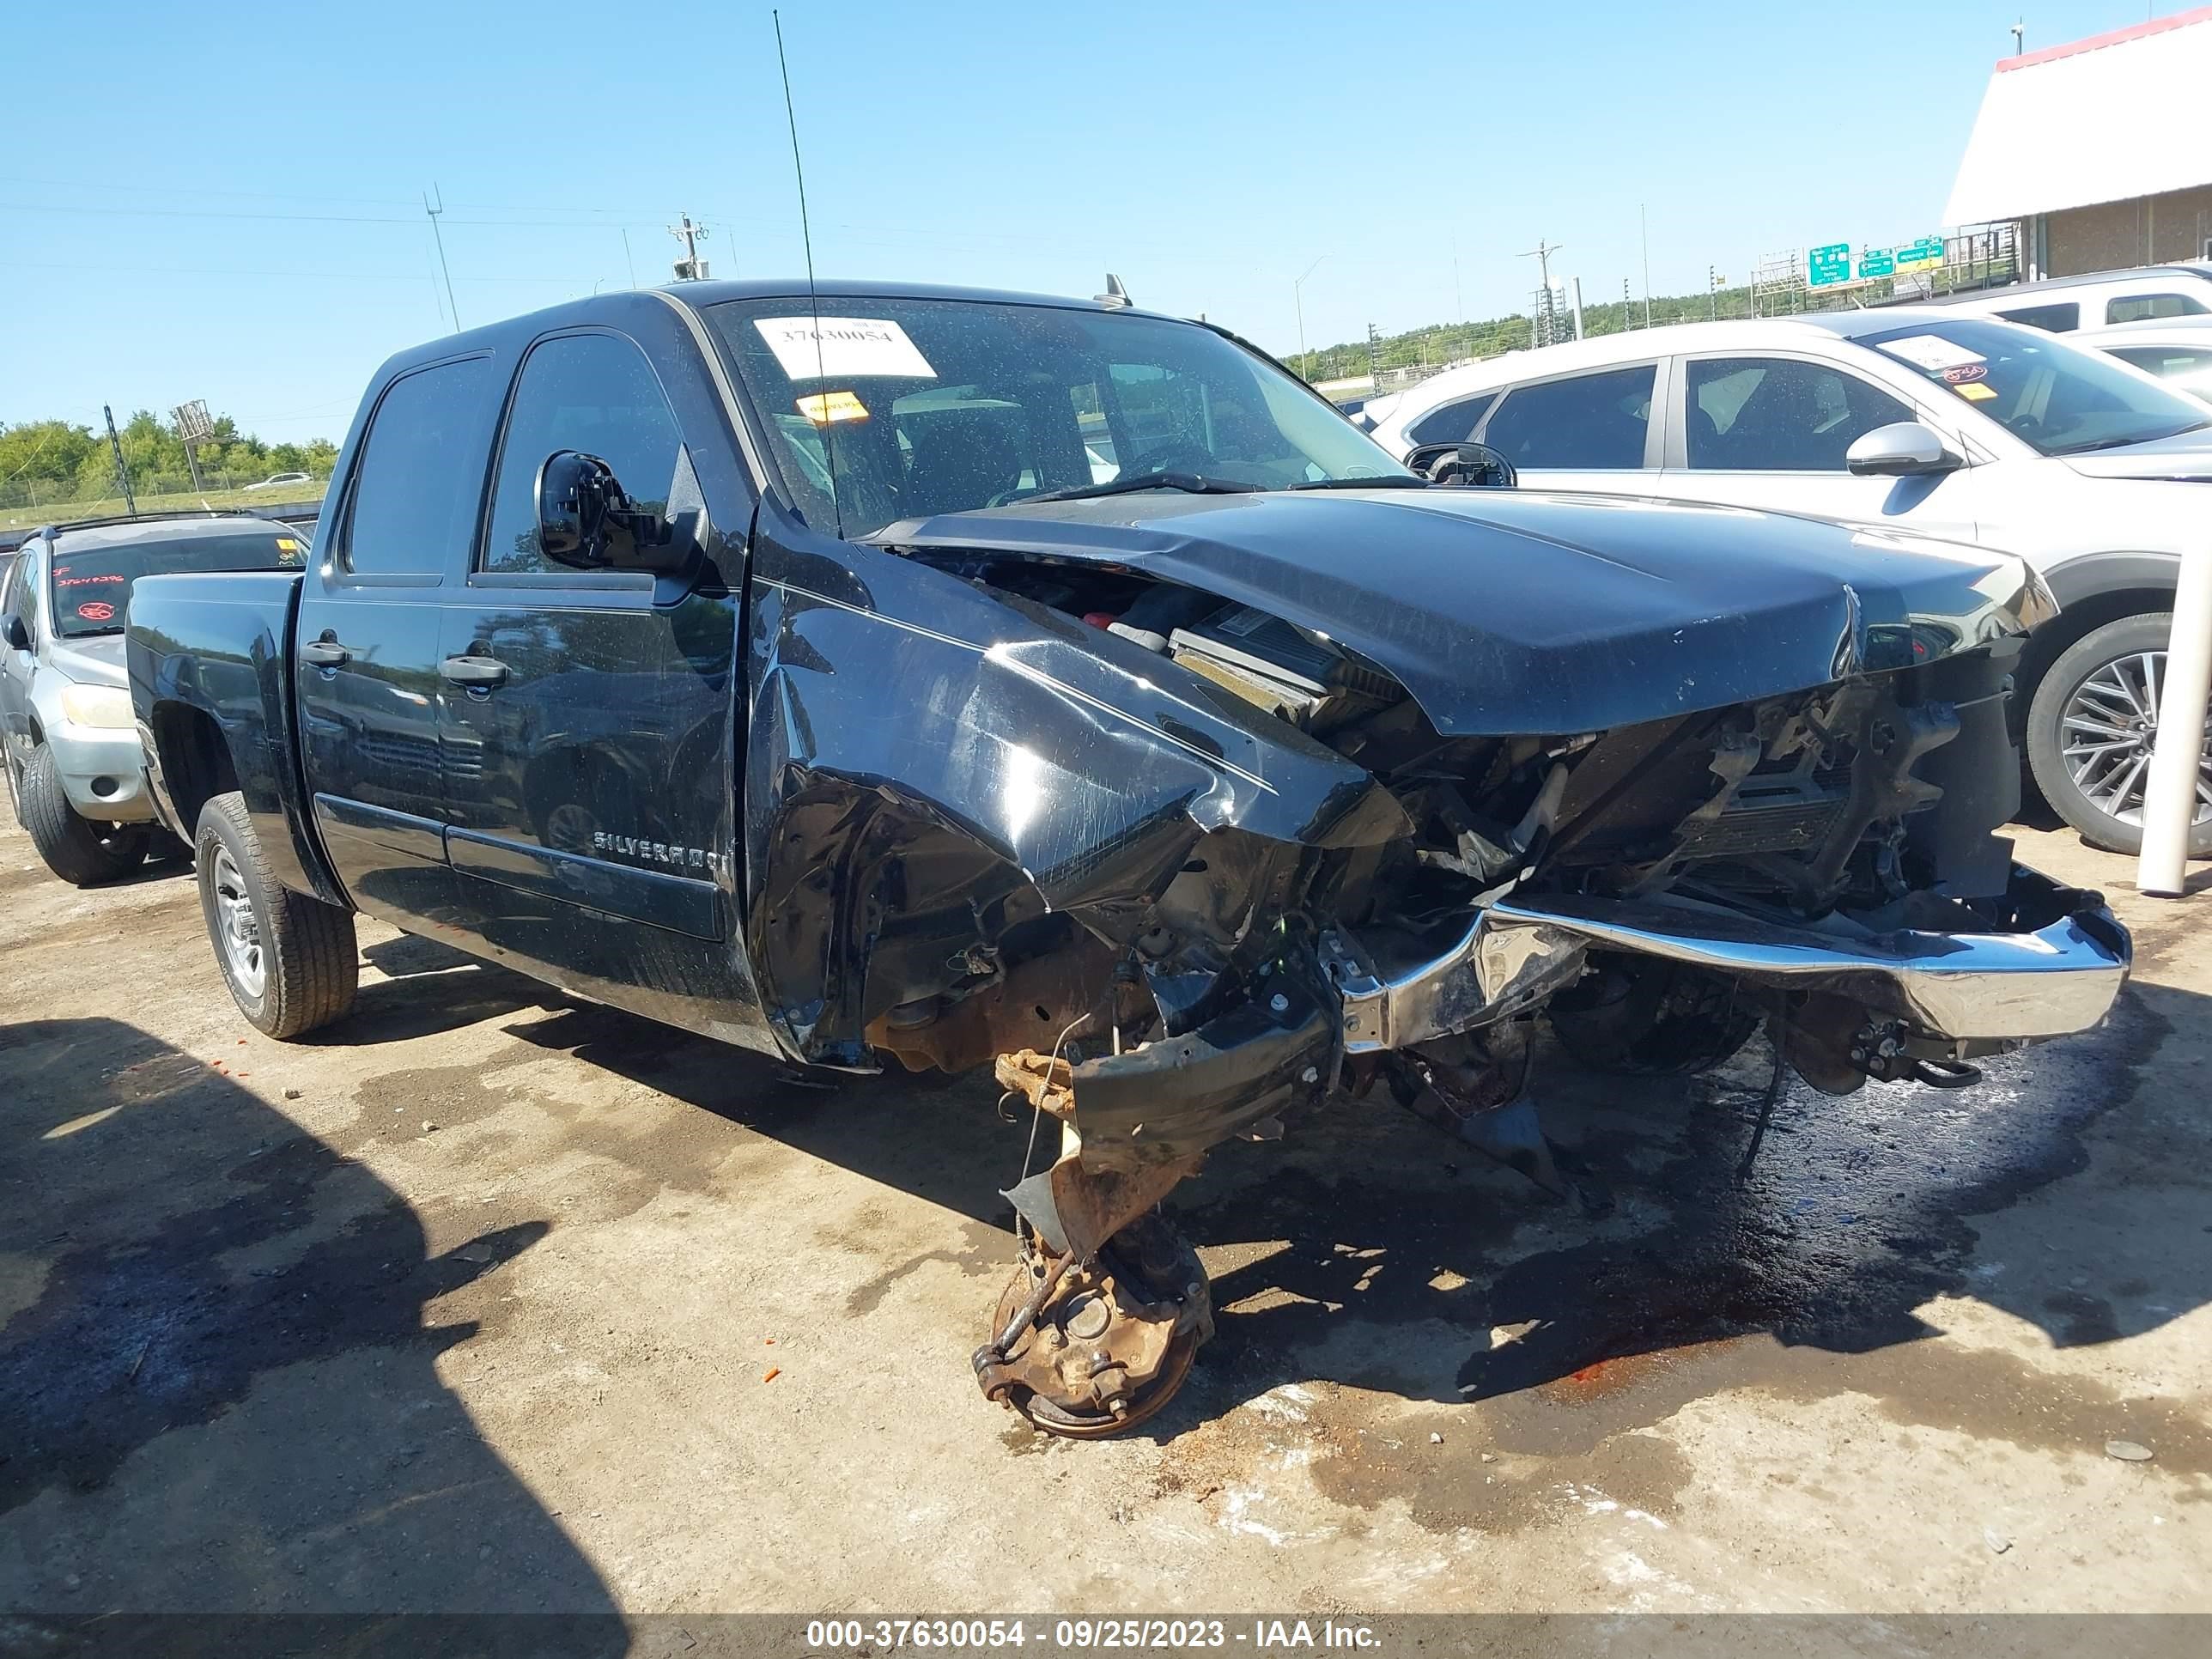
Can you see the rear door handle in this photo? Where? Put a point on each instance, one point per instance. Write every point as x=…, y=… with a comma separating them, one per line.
x=324, y=654
x=477, y=673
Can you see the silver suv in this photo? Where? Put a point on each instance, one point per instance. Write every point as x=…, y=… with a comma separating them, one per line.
x=1930, y=419
x=75, y=773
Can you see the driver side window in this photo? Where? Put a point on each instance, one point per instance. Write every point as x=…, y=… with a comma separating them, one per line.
x=593, y=392
x=23, y=593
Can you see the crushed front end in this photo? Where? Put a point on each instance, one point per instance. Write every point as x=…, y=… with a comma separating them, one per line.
x=1824, y=862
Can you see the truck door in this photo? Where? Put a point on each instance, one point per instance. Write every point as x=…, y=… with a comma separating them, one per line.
x=367, y=647
x=590, y=753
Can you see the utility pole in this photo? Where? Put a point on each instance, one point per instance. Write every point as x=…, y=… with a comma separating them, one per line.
x=1712, y=295
x=439, y=237
x=1644, y=225
x=1375, y=355
x=690, y=268
x=627, y=260
x=1577, y=285
x=2019, y=37
x=122, y=472
x=1541, y=253
x=1543, y=317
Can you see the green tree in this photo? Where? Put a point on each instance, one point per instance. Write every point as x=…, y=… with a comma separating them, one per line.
x=50, y=452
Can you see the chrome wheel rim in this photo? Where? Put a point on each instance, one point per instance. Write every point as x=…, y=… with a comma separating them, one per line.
x=236, y=928
x=2107, y=732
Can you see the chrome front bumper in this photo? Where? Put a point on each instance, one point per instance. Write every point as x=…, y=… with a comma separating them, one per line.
x=2058, y=972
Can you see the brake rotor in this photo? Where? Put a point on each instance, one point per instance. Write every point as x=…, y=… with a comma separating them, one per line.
x=1113, y=1341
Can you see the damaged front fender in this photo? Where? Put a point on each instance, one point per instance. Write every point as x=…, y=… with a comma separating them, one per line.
x=933, y=766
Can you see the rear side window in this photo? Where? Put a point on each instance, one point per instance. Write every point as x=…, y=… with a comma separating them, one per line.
x=420, y=473
x=2051, y=319
x=1590, y=421
x=1452, y=422
x=2139, y=307
x=1778, y=414
x=593, y=392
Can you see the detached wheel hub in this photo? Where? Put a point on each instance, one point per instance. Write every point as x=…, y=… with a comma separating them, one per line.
x=1112, y=1339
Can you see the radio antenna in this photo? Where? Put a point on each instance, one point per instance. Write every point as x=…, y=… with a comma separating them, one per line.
x=813, y=296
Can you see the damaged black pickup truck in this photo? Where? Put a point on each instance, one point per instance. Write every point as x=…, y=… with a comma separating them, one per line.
x=938, y=679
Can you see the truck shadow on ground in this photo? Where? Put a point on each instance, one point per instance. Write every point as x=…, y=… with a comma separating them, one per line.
x=218, y=1360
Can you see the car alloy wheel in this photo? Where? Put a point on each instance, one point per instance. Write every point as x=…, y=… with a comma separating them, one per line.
x=240, y=929
x=2108, y=730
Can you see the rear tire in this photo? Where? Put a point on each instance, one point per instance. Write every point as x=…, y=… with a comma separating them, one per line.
x=2098, y=789
x=290, y=961
x=75, y=848
x=1640, y=1018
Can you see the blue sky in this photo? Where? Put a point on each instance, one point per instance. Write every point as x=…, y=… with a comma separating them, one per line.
x=232, y=209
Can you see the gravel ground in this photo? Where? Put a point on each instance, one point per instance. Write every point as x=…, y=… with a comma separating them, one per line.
x=487, y=1300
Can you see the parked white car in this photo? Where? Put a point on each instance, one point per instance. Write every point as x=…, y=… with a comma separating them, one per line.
x=1925, y=419
x=2101, y=299
x=2177, y=350
x=282, y=481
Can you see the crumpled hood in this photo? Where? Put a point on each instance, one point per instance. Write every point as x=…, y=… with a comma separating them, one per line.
x=2187, y=457
x=1506, y=611
x=96, y=660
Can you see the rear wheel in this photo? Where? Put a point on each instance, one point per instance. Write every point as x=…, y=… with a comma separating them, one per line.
x=1647, y=1019
x=2091, y=728
x=290, y=961
x=75, y=848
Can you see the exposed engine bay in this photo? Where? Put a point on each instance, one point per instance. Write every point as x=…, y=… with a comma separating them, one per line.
x=1823, y=864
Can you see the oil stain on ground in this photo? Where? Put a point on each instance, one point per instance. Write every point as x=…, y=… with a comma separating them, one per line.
x=1802, y=1281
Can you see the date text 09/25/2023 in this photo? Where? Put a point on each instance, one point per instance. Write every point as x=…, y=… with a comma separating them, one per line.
x=1257, y=1635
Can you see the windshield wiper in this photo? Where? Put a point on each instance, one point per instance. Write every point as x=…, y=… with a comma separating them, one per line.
x=2122, y=443
x=1394, y=481
x=1195, y=484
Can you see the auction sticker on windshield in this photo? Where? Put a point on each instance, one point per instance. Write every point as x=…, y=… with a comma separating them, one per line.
x=842, y=347
x=1931, y=352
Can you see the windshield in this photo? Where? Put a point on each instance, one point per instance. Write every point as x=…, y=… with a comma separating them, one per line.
x=916, y=407
x=91, y=586
x=2057, y=397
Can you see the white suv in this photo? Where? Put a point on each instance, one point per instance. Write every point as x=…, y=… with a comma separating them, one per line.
x=1924, y=418
x=2098, y=299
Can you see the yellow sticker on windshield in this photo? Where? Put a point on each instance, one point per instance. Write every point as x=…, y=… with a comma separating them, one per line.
x=286, y=545
x=1977, y=392
x=824, y=407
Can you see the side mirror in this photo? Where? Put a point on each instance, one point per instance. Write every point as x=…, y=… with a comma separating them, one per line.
x=586, y=521
x=1903, y=449
x=1463, y=463
x=19, y=633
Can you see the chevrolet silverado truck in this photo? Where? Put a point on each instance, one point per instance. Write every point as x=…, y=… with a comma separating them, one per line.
x=952, y=681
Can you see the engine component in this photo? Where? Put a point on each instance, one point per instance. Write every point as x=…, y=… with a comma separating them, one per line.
x=1285, y=670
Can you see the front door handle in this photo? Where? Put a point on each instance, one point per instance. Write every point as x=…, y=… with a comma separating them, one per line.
x=324, y=654
x=477, y=673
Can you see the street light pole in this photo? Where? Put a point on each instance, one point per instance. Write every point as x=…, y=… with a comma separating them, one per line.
x=1298, y=300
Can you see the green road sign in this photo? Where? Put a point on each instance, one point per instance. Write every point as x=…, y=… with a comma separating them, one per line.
x=1923, y=255
x=1825, y=265
x=1877, y=262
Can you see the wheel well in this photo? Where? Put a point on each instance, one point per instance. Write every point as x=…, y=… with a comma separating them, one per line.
x=2082, y=617
x=196, y=762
